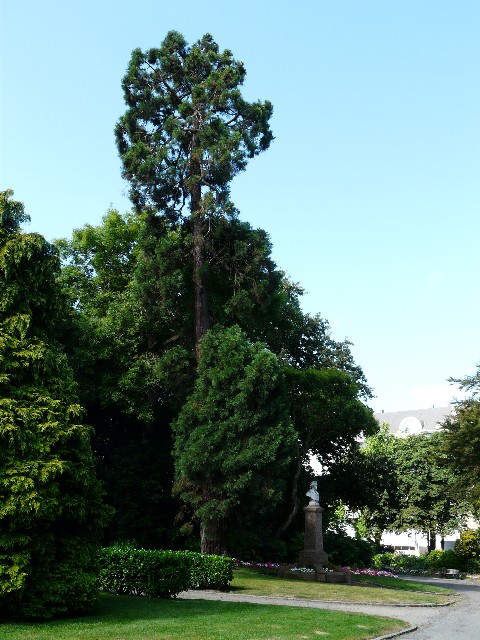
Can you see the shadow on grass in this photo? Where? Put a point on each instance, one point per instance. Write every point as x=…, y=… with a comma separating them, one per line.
x=132, y=618
x=113, y=608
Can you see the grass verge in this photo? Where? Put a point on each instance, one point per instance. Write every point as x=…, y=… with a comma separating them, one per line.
x=136, y=618
x=252, y=582
x=400, y=583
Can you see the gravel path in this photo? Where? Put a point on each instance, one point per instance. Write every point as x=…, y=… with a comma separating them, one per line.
x=458, y=621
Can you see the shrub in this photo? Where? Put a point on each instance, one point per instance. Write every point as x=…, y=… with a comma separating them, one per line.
x=409, y=563
x=472, y=566
x=51, y=512
x=210, y=571
x=347, y=551
x=439, y=559
x=468, y=545
x=436, y=560
x=399, y=561
x=160, y=574
x=382, y=560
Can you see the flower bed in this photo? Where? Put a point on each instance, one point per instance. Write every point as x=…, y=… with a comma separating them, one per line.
x=373, y=572
x=259, y=565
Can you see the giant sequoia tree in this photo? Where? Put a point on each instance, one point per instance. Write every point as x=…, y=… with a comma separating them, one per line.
x=50, y=501
x=186, y=133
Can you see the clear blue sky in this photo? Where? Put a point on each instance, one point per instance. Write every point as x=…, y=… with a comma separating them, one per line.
x=370, y=191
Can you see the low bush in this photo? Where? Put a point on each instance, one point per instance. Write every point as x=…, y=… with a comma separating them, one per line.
x=449, y=559
x=209, y=571
x=382, y=560
x=346, y=551
x=435, y=559
x=472, y=566
x=160, y=574
x=399, y=562
x=409, y=563
x=468, y=545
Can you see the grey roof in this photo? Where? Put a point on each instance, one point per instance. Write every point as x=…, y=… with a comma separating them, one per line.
x=429, y=418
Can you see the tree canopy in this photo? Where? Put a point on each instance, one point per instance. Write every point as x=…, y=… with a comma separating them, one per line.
x=233, y=435
x=461, y=442
x=50, y=501
x=186, y=133
x=183, y=335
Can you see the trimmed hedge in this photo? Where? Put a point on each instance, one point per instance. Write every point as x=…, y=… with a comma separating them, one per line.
x=209, y=571
x=161, y=574
x=129, y=571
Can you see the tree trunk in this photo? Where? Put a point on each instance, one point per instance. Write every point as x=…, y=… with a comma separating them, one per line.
x=212, y=537
x=201, y=311
x=295, y=498
x=431, y=540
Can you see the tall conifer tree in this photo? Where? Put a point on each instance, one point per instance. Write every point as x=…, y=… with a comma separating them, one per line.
x=186, y=133
x=50, y=501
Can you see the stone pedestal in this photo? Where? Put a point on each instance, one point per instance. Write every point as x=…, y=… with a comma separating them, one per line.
x=313, y=554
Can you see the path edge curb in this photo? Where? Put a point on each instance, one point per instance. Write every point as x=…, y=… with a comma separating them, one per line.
x=396, y=633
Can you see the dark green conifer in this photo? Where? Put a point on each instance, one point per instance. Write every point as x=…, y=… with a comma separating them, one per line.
x=50, y=501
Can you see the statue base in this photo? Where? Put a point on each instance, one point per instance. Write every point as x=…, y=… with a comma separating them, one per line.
x=313, y=554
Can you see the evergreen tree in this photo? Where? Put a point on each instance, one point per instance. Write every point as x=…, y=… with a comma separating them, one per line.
x=134, y=357
x=233, y=436
x=186, y=133
x=50, y=501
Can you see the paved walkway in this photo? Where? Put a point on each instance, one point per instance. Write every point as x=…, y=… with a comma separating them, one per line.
x=458, y=621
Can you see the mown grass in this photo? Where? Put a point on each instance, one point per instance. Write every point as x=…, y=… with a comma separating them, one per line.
x=401, y=583
x=136, y=618
x=250, y=581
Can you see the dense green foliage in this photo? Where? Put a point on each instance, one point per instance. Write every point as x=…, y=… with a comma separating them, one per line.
x=129, y=571
x=233, y=434
x=427, y=503
x=50, y=500
x=162, y=574
x=144, y=288
x=187, y=124
x=465, y=557
x=208, y=571
x=461, y=443
x=135, y=363
x=467, y=548
x=406, y=486
x=347, y=551
x=186, y=133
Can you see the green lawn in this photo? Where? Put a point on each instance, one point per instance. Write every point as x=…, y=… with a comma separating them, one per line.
x=135, y=618
x=400, y=583
x=250, y=581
